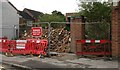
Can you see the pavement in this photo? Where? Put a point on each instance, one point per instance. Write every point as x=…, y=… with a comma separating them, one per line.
x=62, y=61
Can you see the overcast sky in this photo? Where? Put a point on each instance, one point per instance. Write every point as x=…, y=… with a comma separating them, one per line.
x=47, y=6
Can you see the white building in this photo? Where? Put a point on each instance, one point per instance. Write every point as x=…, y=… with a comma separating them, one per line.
x=9, y=20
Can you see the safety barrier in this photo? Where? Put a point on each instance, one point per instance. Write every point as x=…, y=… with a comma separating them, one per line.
x=5, y=45
x=29, y=46
x=37, y=46
x=93, y=47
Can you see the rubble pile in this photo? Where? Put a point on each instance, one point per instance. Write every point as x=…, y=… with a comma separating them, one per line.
x=60, y=38
x=28, y=34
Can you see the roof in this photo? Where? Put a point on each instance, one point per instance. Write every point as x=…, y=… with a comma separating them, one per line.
x=25, y=15
x=34, y=13
x=12, y=5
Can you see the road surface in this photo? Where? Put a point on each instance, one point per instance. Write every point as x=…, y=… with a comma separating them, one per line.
x=34, y=62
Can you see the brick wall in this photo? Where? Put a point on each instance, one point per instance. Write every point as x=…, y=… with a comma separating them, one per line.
x=116, y=30
x=77, y=32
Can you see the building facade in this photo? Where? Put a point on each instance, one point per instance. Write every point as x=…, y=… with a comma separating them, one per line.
x=9, y=20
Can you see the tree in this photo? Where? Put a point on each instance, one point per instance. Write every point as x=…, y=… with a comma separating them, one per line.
x=96, y=11
x=55, y=12
x=56, y=16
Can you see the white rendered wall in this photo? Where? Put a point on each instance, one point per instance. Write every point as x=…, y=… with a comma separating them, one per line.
x=9, y=19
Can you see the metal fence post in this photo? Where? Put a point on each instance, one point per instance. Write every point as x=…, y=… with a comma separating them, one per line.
x=49, y=34
x=14, y=30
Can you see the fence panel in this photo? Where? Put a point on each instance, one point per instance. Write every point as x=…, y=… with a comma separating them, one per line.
x=81, y=38
x=96, y=39
x=60, y=37
x=25, y=32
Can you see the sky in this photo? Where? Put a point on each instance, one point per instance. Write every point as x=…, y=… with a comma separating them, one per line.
x=47, y=6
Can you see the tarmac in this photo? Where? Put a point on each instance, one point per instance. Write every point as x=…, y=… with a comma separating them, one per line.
x=63, y=60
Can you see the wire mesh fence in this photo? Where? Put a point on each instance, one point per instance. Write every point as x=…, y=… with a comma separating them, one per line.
x=25, y=31
x=62, y=36
x=95, y=40
x=98, y=30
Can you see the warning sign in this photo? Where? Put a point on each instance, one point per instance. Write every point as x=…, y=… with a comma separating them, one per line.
x=36, y=31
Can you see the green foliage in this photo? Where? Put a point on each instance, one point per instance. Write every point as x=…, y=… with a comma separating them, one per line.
x=98, y=30
x=96, y=11
x=56, y=16
x=100, y=13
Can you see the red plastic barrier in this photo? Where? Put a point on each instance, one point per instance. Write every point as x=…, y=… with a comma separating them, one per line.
x=0, y=45
x=93, y=47
x=41, y=46
x=92, y=41
x=29, y=46
x=5, y=45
